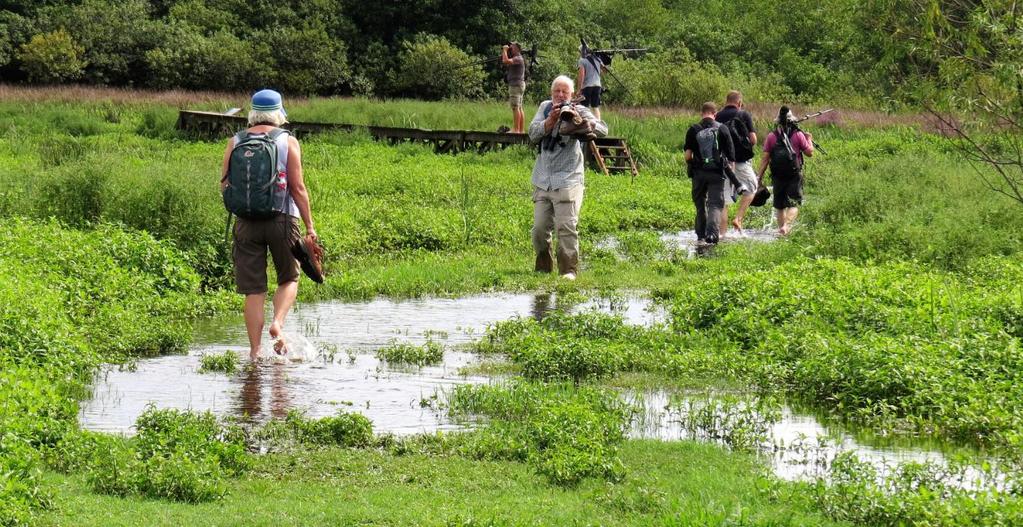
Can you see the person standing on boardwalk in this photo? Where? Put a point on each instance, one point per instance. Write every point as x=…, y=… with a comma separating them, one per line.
x=744, y=138
x=588, y=79
x=261, y=183
x=784, y=149
x=558, y=176
x=708, y=149
x=515, y=63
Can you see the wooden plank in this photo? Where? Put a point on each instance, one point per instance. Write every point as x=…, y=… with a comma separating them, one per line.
x=214, y=125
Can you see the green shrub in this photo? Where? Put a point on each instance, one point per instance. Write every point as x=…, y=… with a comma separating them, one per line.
x=432, y=68
x=52, y=57
x=672, y=79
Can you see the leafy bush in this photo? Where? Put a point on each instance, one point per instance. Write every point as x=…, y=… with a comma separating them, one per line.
x=672, y=79
x=52, y=57
x=430, y=67
x=305, y=61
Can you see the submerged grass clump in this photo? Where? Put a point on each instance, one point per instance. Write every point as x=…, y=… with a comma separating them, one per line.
x=412, y=355
x=225, y=362
x=916, y=494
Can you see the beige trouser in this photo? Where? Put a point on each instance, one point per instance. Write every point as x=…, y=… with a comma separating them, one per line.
x=557, y=209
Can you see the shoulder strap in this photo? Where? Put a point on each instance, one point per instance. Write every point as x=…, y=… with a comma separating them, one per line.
x=547, y=109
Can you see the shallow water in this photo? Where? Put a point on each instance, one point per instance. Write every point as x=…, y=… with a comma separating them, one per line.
x=796, y=445
x=343, y=372
x=685, y=243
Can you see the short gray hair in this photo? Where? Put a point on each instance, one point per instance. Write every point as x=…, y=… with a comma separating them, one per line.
x=565, y=79
x=273, y=117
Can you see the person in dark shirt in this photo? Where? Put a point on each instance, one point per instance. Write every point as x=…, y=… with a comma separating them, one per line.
x=743, y=158
x=707, y=168
x=515, y=63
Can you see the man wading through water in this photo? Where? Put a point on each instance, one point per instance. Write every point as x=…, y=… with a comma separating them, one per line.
x=744, y=138
x=265, y=157
x=558, y=176
x=708, y=148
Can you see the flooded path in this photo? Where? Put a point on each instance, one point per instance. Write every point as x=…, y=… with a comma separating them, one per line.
x=343, y=371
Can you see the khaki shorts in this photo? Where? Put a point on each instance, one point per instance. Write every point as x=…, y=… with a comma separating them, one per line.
x=252, y=238
x=745, y=174
x=515, y=95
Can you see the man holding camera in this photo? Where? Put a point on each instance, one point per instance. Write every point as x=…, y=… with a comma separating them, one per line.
x=709, y=153
x=515, y=63
x=557, y=177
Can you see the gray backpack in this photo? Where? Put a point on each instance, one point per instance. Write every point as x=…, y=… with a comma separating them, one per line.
x=710, y=152
x=257, y=181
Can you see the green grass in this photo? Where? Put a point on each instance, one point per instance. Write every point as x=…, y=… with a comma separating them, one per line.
x=410, y=354
x=225, y=362
x=896, y=304
x=669, y=484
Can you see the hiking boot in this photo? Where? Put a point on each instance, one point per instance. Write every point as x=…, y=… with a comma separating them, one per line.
x=568, y=276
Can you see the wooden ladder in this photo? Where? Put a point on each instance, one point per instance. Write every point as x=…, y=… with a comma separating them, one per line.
x=612, y=155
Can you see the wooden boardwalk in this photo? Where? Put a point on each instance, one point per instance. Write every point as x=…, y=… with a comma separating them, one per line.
x=211, y=125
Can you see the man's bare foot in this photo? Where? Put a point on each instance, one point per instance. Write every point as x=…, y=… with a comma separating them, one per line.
x=253, y=355
x=737, y=225
x=784, y=230
x=277, y=337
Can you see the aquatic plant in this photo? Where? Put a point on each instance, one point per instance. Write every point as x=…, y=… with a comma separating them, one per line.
x=411, y=354
x=225, y=362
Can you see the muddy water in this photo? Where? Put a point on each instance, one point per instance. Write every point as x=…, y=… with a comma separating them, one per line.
x=342, y=371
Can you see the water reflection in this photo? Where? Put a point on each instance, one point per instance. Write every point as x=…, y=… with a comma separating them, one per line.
x=250, y=392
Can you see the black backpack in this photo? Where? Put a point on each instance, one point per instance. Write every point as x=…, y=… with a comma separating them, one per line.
x=784, y=161
x=740, y=134
x=257, y=185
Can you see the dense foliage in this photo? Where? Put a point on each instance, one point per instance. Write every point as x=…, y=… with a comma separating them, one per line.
x=807, y=50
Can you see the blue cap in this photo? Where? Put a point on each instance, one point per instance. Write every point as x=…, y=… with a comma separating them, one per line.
x=267, y=101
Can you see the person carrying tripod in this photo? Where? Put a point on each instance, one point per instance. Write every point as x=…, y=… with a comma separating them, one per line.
x=784, y=149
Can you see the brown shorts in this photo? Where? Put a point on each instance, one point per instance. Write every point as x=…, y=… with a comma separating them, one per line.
x=251, y=240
